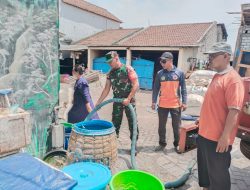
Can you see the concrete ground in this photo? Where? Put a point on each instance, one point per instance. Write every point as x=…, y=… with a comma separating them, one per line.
x=167, y=165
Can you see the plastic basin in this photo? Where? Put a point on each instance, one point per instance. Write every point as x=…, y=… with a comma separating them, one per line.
x=135, y=180
x=89, y=176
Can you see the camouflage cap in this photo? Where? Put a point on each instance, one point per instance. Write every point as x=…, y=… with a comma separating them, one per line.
x=110, y=55
x=220, y=47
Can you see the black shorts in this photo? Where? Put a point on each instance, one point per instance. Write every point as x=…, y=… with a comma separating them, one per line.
x=213, y=167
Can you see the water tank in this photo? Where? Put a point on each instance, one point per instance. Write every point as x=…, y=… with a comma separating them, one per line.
x=101, y=65
x=144, y=69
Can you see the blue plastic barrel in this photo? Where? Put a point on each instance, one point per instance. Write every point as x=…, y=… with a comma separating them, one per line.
x=94, y=127
x=101, y=142
x=89, y=175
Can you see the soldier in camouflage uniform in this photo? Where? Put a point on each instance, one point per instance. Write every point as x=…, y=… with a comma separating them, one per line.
x=124, y=82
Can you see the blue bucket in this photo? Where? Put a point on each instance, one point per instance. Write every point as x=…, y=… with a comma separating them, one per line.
x=90, y=176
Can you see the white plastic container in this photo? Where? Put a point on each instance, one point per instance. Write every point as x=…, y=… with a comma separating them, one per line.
x=57, y=136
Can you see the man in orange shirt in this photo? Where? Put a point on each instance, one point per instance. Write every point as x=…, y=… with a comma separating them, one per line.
x=219, y=120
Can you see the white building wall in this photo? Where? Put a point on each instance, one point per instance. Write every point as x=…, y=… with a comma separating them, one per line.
x=220, y=34
x=184, y=54
x=211, y=37
x=208, y=40
x=78, y=24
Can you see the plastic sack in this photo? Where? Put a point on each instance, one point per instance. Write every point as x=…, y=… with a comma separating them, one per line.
x=207, y=74
x=200, y=90
x=194, y=102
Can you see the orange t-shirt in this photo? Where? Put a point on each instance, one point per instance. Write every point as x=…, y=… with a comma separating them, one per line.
x=226, y=91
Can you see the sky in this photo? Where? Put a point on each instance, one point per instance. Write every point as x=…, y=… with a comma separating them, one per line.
x=143, y=13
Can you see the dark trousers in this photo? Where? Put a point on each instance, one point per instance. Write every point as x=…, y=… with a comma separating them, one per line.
x=213, y=167
x=117, y=116
x=176, y=122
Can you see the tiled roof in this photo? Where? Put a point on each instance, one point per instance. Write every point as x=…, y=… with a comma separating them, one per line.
x=109, y=37
x=92, y=8
x=176, y=35
x=169, y=35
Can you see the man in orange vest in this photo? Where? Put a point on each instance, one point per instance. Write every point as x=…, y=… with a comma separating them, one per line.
x=170, y=86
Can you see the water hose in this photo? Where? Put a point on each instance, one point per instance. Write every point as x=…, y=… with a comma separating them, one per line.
x=181, y=180
x=133, y=144
x=173, y=184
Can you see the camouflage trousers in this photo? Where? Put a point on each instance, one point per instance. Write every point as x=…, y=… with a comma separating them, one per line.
x=117, y=116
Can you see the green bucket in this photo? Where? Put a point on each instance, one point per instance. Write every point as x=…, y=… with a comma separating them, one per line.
x=135, y=180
